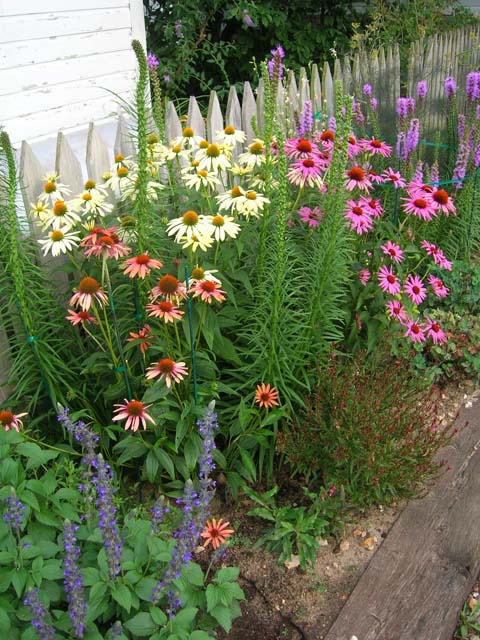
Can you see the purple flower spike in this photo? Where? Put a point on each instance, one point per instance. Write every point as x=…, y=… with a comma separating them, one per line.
x=77, y=606
x=14, y=514
x=367, y=90
x=39, y=614
x=275, y=66
x=450, y=87
x=152, y=61
x=422, y=89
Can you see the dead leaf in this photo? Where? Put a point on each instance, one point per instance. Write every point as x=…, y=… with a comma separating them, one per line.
x=344, y=545
x=293, y=563
x=368, y=543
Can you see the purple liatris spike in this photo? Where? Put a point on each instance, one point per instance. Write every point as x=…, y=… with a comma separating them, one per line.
x=461, y=125
x=450, y=87
x=305, y=125
x=178, y=28
x=461, y=164
x=39, y=614
x=373, y=104
x=473, y=85
x=476, y=156
x=152, y=62
x=405, y=107
x=14, y=513
x=73, y=582
x=422, y=89
x=401, y=146
x=418, y=175
x=413, y=136
x=357, y=113
x=367, y=90
x=434, y=173
x=206, y=428
x=275, y=65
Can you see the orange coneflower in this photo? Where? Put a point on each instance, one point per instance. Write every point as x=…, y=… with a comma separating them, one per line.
x=140, y=265
x=168, y=369
x=88, y=289
x=216, y=532
x=266, y=396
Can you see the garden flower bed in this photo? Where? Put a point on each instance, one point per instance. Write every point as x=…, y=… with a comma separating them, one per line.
x=227, y=313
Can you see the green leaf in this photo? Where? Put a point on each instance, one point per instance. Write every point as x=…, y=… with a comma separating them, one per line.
x=191, y=452
x=5, y=623
x=151, y=466
x=223, y=616
x=91, y=576
x=141, y=625
x=165, y=461
x=180, y=432
x=214, y=596
x=121, y=593
x=227, y=574
x=158, y=616
x=200, y=635
x=52, y=570
x=46, y=518
x=6, y=557
x=19, y=580
x=35, y=454
x=29, y=498
x=144, y=588
x=185, y=617
x=194, y=574
x=130, y=448
x=248, y=469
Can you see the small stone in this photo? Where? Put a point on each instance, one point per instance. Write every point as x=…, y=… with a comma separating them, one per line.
x=322, y=543
x=293, y=563
x=344, y=596
x=472, y=602
x=368, y=543
x=344, y=545
x=359, y=533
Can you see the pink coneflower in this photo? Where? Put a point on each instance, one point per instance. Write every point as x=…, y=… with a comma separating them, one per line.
x=140, y=265
x=358, y=217
x=374, y=147
x=169, y=287
x=415, y=330
x=88, y=291
x=143, y=337
x=373, y=207
x=299, y=148
x=415, y=289
x=134, y=412
x=80, y=317
x=434, y=331
x=266, y=396
x=168, y=369
x=392, y=250
x=311, y=216
x=420, y=207
x=354, y=147
x=396, y=310
x=438, y=286
x=364, y=276
x=394, y=177
x=375, y=177
x=437, y=254
x=216, y=532
x=165, y=310
x=9, y=420
x=441, y=201
x=388, y=280
x=357, y=178
x=102, y=242
x=308, y=171
x=208, y=290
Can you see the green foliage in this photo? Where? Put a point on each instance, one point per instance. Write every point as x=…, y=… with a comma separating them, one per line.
x=211, y=46
x=35, y=558
x=296, y=530
x=373, y=426
x=469, y=622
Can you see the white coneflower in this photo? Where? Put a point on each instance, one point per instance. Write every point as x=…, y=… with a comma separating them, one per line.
x=252, y=204
x=187, y=225
x=188, y=139
x=93, y=204
x=231, y=200
x=230, y=136
x=224, y=226
x=62, y=214
x=59, y=241
x=255, y=156
x=214, y=158
x=130, y=189
x=53, y=189
x=200, y=178
x=195, y=241
x=176, y=152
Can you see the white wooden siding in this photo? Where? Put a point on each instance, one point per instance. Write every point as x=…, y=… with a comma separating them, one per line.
x=61, y=60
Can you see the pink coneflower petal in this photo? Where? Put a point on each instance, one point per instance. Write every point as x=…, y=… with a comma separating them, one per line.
x=437, y=254
x=433, y=331
x=80, y=317
x=208, y=290
x=396, y=310
x=441, y=201
x=143, y=337
x=419, y=207
x=389, y=175
x=140, y=265
x=358, y=217
x=438, y=286
x=266, y=396
x=165, y=310
x=88, y=290
x=415, y=289
x=356, y=177
x=135, y=414
x=311, y=216
x=10, y=421
x=415, y=331
x=389, y=282
x=170, y=288
x=364, y=276
x=375, y=147
x=392, y=250
x=168, y=369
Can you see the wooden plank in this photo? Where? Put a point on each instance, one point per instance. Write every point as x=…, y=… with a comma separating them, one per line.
x=249, y=110
x=327, y=86
x=25, y=7
x=173, y=128
x=124, y=141
x=50, y=25
x=303, y=87
x=233, y=114
x=31, y=174
x=418, y=580
x=260, y=105
x=97, y=156
x=137, y=18
x=195, y=118
x=75, y=92
x=316, y=94
x=68, y=166
x=214, y=116
x=56, y=72
x=21, y=53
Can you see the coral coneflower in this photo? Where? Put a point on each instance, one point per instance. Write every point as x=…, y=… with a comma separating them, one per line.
x=140, y=265
x=9, y=420
x=143, y=337
x=168, y=369
x=169, y=287
x=80, y=317
x=266, y=396
x=165, y=310
x=208, y=290
x=216, y=532
x=88, y=290
x=134, y=412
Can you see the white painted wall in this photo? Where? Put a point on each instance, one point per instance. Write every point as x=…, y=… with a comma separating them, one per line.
x=59, y=61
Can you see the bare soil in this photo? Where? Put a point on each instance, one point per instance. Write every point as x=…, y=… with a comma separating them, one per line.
x=289, y=603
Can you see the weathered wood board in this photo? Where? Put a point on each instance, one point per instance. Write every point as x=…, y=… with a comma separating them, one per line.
x=418, y=580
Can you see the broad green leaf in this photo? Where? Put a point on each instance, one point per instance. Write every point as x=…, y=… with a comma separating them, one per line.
x=227, y=574
x=35, y=454
x=165, y=461
x=158, y=616
x=151, y=466
x=5, y=623
x=121, y=593
x=141, y=625
x=223, y=616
